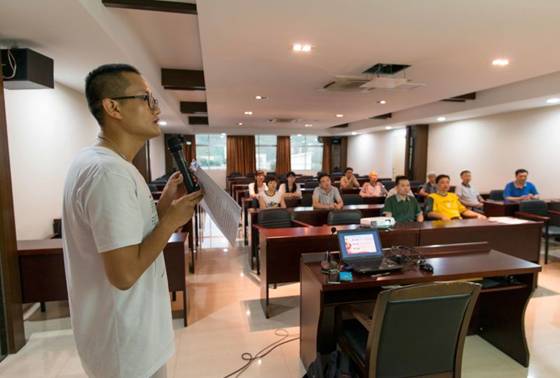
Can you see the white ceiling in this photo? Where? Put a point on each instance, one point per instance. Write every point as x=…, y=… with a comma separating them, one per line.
x=246, y=49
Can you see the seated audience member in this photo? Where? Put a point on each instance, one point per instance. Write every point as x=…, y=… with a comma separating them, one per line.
x=468, y=195
x=402, y=206
x=257, y=187
x=520, y=189
x=373, y=188
x=393, y=190
x=445, y=205
x=429, y=187
x=271, y=197
x=290, y=189
x=349, y=181
x=326, y=196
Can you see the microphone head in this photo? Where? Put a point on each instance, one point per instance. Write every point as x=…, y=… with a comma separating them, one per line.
x=333, y=230
x=175, y=143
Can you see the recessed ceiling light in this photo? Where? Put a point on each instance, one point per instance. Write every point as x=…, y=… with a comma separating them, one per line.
x=554, y=100
x=248, y=112
x=301, y=47
x=441, y=119
x=382, y=102
x=500, y=62
x=354, y=133
x=388, y=127
x=339, y=115
x=239, y=123
x=308, y=125
x=260, y=97
x=223, y=135
x=299, y=135
x=162, y=123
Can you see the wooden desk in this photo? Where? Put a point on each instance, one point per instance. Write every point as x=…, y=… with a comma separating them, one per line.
x=519, y=240
x=498, y=316
x=500, y=208
x=281, y=248
x=43, y=278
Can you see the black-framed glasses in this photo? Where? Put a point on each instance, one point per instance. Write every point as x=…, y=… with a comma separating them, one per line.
x=148, y=97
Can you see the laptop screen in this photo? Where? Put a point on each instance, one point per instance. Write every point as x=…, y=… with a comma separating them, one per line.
x=356, y=244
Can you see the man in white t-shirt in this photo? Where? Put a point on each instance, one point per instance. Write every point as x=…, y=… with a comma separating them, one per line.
x=114, y=235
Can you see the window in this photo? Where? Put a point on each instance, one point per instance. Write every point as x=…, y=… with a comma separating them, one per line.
x=211, y=151
x=307, y=153
x=265, y=146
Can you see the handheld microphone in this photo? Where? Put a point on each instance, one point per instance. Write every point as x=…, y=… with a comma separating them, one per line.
x=175, y=146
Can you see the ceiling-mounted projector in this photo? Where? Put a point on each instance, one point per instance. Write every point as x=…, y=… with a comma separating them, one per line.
x=26, y=69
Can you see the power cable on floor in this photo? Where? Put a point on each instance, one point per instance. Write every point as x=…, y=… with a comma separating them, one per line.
x=283, y=333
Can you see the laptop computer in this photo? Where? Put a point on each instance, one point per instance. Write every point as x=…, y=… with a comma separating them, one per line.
x=361, y=250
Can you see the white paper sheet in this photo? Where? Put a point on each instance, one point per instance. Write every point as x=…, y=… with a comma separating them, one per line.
x=507, y=220
x=221, y=207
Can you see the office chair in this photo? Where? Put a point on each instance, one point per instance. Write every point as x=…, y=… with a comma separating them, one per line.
x=352, y=199
x=268, y=218
x=389, y=185
x=538, y=210
x=496, y=195
x=417, y=330
x=311, y=184
x=339, y=217
x=307, y=199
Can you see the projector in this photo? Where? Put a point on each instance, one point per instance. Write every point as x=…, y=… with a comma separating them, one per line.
x=378, y=222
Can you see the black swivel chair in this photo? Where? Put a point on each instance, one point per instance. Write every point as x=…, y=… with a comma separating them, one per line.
x=538, y=210
x=417, y=330
x=496, y=195
x=340, y=217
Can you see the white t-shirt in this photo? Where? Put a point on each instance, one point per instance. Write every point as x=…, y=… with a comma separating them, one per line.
x=271, y=201
x=252, y=192
x=107, y=205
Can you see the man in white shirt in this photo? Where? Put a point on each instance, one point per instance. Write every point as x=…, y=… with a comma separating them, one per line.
x=114, y=235
x=468, y=195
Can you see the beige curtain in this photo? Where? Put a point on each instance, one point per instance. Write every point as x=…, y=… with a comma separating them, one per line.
x=327, y=155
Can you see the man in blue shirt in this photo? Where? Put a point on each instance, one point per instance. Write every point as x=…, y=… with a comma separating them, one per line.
x=520, y=189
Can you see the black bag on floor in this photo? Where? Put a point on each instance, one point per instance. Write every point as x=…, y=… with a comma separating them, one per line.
x=335, y=365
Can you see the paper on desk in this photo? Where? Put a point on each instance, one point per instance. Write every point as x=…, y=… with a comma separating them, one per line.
x=223, y=209
x=507, y=220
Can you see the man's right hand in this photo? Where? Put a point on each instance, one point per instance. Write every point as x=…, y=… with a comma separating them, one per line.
x=181, y=210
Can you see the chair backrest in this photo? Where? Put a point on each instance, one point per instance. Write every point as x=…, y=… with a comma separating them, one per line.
x=389, y=185
x=420, y=330
x=496, y=195
x=337, y=217
x=554, y=219
x=311, y=184
x=352, y=199
x=274, y=218
x=307, y=199
x=537, y=207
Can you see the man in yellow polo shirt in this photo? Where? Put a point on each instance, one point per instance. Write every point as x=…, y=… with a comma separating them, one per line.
x=444, y=205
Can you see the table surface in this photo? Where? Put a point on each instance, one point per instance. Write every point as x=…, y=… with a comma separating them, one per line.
x=452, y=267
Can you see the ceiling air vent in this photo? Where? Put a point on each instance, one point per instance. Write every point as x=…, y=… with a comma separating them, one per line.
x=386, y=69
x=283, y=120
x=461, y=98
x=382, y=116
x=342, y=126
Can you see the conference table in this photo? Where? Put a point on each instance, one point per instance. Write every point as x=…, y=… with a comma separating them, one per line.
x=498, y=316
x=281, y=248
x=493, y=208
x=43, y=278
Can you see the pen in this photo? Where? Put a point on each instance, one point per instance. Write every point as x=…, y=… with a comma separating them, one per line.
x=380, y=274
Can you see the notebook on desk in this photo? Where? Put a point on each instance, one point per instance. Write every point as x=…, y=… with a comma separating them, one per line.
x=361, y=251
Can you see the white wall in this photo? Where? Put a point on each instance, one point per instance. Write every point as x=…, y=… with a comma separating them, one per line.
x=377, y=151
x=46, y=128
x=493, y=147
x=157, y=156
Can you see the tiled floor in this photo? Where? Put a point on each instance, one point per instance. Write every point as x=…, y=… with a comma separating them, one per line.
x=225, y=320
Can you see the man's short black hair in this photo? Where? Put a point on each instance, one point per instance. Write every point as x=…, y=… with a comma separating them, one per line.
x=463, y=172
x=521, y=171
x=399, y=179
x=348, y=169
x=320, y=175
x=103, y=82
x=441, y=177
